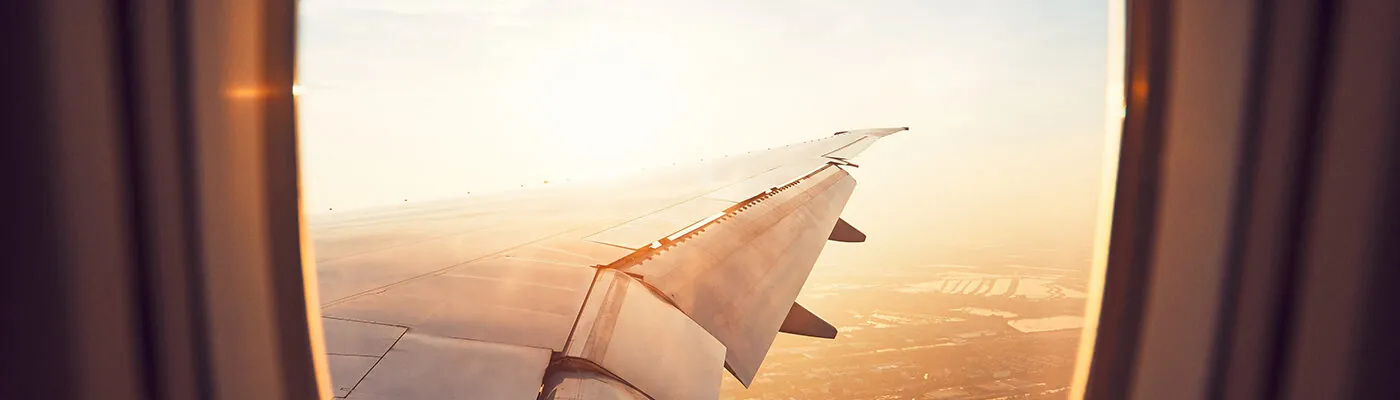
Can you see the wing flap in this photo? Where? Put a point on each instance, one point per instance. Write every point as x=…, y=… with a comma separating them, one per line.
x=638, y=336
x=586, y=385
x=738, y=276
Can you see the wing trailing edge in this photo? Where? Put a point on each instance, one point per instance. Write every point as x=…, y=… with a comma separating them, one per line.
x=738, y=276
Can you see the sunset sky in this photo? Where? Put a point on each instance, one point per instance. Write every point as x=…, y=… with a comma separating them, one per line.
x=424, y=99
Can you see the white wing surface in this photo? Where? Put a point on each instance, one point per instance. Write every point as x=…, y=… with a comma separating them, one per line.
x=643, y=287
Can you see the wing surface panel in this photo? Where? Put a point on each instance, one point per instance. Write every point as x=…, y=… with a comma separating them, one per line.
x=347, y=277
x=369, y=249
x=348, y=370
x=642, y=231
x=429, y=367
x=359, y=338
x=877, y=132
x=500, y=299
x=851, y=150
x=748, y=188
x=572, y=250
x=353, y=347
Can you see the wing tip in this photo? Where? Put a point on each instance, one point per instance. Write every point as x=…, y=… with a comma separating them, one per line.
x=874, y=131
x=887, y=131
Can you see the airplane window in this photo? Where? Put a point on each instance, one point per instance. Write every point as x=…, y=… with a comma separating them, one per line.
x=421, y=119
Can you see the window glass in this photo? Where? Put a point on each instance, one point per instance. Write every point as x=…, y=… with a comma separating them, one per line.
x=981, y=219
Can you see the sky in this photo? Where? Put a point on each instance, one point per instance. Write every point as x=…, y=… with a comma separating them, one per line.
x=427, y=99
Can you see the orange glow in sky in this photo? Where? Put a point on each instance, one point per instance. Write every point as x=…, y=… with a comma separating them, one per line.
x=418, y=100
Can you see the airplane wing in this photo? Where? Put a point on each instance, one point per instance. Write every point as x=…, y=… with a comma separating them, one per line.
x=632, y=288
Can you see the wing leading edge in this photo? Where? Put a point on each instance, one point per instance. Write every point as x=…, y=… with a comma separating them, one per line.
x=633, y=289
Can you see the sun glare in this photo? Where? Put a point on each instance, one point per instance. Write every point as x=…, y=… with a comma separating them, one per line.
x=604, y=109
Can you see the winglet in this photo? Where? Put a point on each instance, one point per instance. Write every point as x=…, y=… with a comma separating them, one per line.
x=802, y=322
